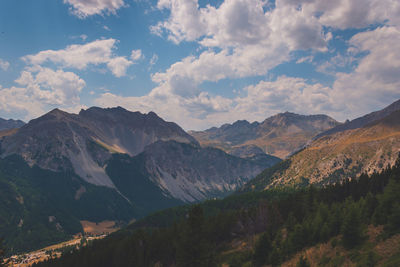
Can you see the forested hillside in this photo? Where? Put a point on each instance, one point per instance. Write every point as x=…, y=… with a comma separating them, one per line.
x=274, y=225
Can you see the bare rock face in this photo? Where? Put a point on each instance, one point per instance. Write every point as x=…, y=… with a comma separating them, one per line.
x=192, y=173
x=279, y=135
x=83, y=142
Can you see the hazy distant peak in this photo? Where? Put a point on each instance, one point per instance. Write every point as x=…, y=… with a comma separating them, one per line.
x=278, y=135
x=10, y=124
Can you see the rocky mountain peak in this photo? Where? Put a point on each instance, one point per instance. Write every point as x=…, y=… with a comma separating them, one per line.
x=84, y=142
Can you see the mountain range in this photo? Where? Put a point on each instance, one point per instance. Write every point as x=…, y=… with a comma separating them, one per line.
x=84, y=143
x=114, y=164
x=279, y=135
x=105, y=164
x=363, y=145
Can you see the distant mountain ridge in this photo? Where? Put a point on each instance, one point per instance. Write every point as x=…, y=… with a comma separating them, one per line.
x=365, y=145
x=278, y=135
x=10, y=124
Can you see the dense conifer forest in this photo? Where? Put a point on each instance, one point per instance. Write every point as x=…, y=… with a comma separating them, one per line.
x=284, y=221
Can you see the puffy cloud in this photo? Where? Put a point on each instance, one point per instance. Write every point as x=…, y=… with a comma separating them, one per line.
x=212, y=66
x=190, y=113
x=4, y=65
x=136, y=55
x=344, y=14
x=376, y=79
x=41, y=89
x=204, y=110
x=119, y=65
x=52, y=87
x=16, y=101
x=374, y=83
x=81, y=56
x=76, y=56
x=238, y=23
x=244, y=39
x=86, y=8
x=286, y=93
x=185, y=22
x=251, y=38
x=297, y=29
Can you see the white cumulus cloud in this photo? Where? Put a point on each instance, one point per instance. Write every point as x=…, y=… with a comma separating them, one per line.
x=244, y=39
x=374, y=82
x=81, y=56
x=376, y=79
x=40, y=90
x=86, y=8
x=343, y=14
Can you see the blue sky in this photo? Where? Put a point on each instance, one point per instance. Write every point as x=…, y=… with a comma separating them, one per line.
x=199, y=63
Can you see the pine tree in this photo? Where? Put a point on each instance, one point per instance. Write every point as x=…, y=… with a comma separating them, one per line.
x=262, y=250
x=194, y=249
x=393, y=225
x=352, y=227
x=291, y=221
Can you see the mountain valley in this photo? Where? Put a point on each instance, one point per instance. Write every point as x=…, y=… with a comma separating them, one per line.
x=112, y=164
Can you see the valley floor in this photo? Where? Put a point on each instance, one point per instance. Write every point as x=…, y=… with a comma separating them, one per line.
x=92, y=232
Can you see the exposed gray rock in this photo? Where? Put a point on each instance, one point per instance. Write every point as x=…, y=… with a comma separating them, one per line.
x=83, y=142
x=192, y=173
